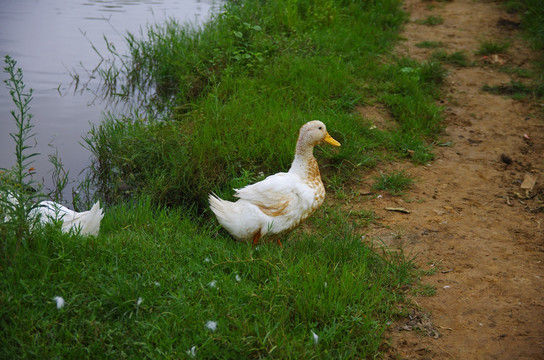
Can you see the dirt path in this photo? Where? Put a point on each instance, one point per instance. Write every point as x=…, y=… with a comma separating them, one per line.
x=470, y=219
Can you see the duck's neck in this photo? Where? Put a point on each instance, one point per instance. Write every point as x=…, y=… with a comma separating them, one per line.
x=305, y=164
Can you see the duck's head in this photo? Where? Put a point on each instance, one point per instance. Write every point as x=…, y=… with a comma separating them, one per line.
x=313, y=133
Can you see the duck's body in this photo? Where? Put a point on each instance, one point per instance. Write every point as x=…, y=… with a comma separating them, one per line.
x=282, y=201
x=86, y=222
x=277, y=204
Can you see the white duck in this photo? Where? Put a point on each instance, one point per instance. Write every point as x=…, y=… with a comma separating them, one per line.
x=282, y=201
x=87, y=222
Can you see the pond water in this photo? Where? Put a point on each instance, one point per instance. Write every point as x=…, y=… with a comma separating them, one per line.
x=50, y=39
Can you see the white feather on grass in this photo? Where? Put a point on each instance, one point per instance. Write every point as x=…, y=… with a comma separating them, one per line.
x=316, y=337
x=192, y=352
x=60, y=302
x=212, y=325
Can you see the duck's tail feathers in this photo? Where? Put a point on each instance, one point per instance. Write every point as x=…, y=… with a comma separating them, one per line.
x=88, y=221
x=219, y=207
x=232, y=217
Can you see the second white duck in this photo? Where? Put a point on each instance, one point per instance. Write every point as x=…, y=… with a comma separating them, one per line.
x=86, y=222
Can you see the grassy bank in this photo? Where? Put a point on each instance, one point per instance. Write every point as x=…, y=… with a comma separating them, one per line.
x=220, y=105
x=230, y=98
x=151, y=282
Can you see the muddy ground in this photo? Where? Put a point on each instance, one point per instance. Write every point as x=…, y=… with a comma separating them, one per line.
x=476, y=213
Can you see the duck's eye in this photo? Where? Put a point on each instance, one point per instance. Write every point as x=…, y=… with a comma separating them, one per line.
x=321, y=128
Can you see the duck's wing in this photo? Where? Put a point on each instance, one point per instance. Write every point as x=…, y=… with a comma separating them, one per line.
x=52, y=210
x=282, y=194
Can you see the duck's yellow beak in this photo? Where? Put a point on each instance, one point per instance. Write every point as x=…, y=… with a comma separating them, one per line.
x=329, y=140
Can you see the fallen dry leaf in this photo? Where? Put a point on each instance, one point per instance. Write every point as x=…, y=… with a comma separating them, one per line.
x=529, y=182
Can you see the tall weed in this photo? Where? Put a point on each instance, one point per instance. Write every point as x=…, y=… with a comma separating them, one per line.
x=18, y=191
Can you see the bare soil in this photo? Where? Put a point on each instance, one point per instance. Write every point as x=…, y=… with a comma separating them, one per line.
x=476, y=215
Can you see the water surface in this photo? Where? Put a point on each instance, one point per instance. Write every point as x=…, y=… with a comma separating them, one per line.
x=50, y=39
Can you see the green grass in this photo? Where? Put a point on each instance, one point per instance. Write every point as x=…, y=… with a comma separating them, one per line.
x=395, y=182
x=516, y=90
x=266, y=300
x=532, y=24
x=518, y=71
x=365, y=217
x=488, y=47
x=430, y=44
x=458, y=58
x=532, y=16
x=231, y=97
x=431, y=20
x=425, y=290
